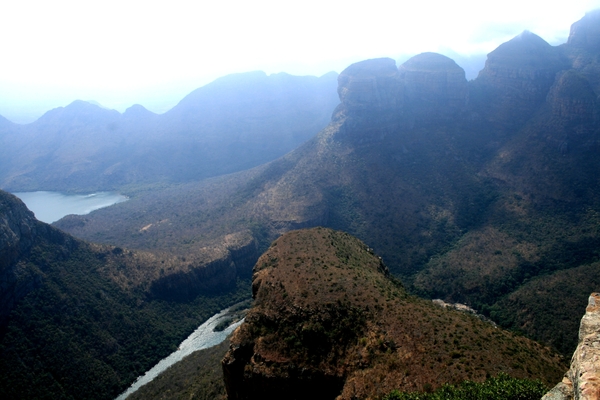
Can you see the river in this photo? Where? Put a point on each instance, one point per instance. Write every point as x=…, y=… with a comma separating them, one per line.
x=202, y=338
x=51, y=206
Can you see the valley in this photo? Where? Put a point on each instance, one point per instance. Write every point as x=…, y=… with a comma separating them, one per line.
x=336, y=201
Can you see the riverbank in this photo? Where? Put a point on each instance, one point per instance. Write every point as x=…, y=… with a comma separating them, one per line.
x=210, y=333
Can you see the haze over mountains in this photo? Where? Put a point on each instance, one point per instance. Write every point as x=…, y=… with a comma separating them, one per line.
x=467, y=189
x=483, y=192
x=236, y=122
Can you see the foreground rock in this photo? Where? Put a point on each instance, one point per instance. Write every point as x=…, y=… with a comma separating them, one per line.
x=329, y=321
x=582, y=381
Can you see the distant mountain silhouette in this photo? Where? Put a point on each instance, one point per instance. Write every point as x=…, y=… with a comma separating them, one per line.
x=234, y=123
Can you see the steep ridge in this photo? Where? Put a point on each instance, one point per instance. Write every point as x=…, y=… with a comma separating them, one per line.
x=329, y=320
x=236, y=122
x=79, y=320
x=473, y=192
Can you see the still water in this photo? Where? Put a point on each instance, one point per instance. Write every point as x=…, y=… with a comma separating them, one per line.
x=52, y=206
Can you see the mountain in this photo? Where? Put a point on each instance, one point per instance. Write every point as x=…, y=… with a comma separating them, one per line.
x=79, y=320
x=482, y=192
x=236, y=122
x=4, y=122
x=328, y=321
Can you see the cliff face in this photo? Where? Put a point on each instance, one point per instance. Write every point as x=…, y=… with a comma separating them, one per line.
x=585, y=33
x=435, y=87
x=582, y=381
x=328, y=320
x=225, y=264
x=516, y=78
x=377, y=98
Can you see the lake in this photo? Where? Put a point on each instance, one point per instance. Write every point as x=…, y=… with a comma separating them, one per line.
x=52, y=206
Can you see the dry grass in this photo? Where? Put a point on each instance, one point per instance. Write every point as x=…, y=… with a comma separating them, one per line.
x=325, y=303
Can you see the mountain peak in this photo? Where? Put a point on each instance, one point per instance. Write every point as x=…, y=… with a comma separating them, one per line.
x=526, y=46
x=5, y=122
x=138, y=111
x=75, y=110
x=434, y=86
x=368, y=85
x=430, y=62
x=585, y=33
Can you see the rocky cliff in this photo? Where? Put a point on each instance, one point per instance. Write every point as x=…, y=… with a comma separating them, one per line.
x=329, y=320
x=215, y=269
x=516, y=78
x=377, y=98
x=582, y=381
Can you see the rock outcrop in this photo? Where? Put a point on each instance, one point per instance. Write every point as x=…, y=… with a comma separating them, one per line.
x=217, y=271
x=572, y=98
x=585, y=33
x=379, y=99
x=582, y=381
x=329, y=320
x=435, y=86
x=583, y=46
x=517, y=77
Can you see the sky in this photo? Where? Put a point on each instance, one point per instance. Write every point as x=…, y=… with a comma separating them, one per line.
x=120, y=53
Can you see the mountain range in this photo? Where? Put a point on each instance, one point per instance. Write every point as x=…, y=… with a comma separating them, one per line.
x=234, y=123
x=481, y=192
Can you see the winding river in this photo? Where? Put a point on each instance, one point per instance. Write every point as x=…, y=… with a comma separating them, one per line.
x=203, y=337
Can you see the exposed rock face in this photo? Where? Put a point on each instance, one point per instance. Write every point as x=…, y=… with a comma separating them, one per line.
x=585, y=33
x=571, y=97
x=575, y=113
x=582, y=381
x=328, y=320
x=17, y=228
x=371, y=102
x=378, y=98
x=228, y=262
x=517, y=77
x=435, y=86
x=583, y=46
x=369, y=85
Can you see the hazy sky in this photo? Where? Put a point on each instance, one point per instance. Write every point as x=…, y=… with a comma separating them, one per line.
x=155, y=52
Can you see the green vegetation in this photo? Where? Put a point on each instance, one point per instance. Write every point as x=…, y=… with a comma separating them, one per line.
x=326, y=305
x=78, y=334
x=198, y=376
x=495, y=204
x=502, y=387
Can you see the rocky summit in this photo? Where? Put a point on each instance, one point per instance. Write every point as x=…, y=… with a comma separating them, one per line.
x=329, y=321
